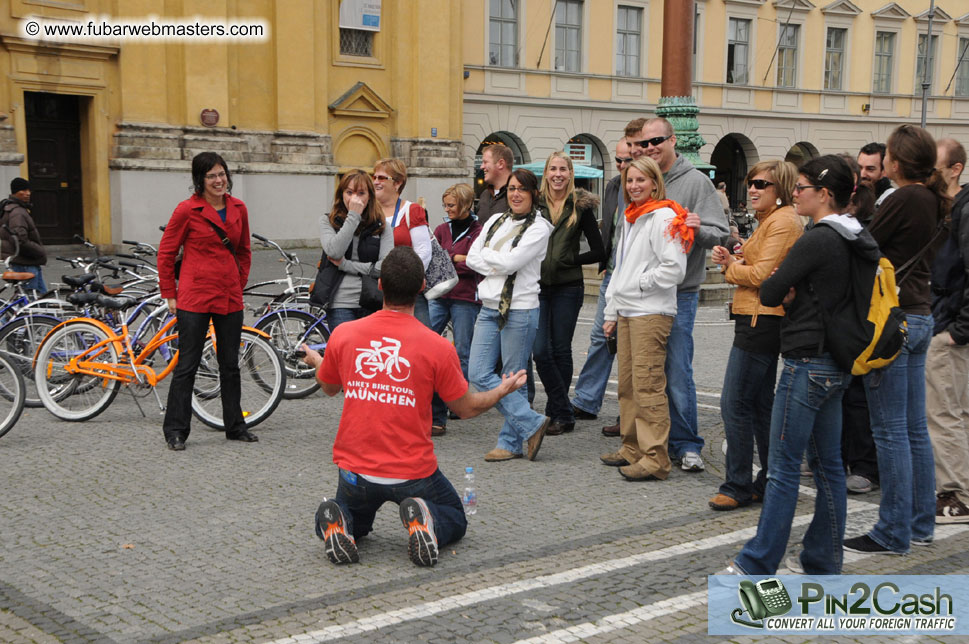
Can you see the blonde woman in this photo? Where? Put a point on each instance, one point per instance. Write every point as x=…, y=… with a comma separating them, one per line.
x=748, y=385
x=572, y=215
x=640, y=305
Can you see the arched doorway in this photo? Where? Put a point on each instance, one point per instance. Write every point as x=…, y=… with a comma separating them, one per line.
x=800, y=152
x=518, y=150
x=586, y=149
x=733, y=156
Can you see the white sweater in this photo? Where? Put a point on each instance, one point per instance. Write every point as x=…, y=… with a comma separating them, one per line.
x=495, y=264
x=649, y=266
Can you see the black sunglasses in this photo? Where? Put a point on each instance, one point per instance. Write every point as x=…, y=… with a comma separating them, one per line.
x=655, y=141
x=760, y=184
x=620, y=160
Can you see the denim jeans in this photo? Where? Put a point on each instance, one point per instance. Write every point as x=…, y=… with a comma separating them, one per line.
x=745, y=405
x=558, y=312
x=360, y=499
x=422, y=310
x=512, y=345
x=680, y=388
x=591, y=384
x=896, y=402
x=37, y=283
x=192, y=328
x=336, y=317
x=806, y=416
x=462, y=316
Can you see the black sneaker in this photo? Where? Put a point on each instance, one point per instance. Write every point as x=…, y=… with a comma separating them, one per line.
x=867, y=546
x=581, y=414
x=421, y=542
x=331, y=528
x=949, y=509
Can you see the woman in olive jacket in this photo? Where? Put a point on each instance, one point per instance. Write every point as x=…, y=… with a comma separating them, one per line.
x=573, y=214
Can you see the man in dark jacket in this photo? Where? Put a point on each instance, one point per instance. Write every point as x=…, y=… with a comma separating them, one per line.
x=16, y=223
x=947, y=362
x=591, y=385
x=497, y=162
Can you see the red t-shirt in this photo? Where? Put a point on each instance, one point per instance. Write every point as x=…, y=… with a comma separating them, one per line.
x=418, y=217
x=390, y=365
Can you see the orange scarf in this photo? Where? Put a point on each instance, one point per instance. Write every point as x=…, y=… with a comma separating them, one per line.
x=677, y=227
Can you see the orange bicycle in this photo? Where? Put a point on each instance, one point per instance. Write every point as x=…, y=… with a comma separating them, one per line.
x=78, y=371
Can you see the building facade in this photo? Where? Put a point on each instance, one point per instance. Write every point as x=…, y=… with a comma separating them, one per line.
x=106, y=127
x=773, y=78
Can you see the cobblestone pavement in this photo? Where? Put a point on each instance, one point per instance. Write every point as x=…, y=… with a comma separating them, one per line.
x=107, y=536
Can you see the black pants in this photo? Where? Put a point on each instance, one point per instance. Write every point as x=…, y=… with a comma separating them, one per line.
x=192, y=328
x=857, y=445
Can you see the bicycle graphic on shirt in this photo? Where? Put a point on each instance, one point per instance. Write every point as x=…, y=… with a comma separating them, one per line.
x=383, y=359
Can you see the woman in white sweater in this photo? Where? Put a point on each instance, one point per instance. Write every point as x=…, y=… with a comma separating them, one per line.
x=509, y=253
x=640, y=305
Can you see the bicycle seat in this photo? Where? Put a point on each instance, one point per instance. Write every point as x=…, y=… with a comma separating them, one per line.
x=15, y=276
x=111, y=290
x=119, y=303
x=79, y=299
x=78, y=281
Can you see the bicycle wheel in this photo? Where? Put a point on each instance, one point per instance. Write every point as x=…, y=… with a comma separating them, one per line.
x=288, y=329
x=18, y=343
x=12, y=394
x=68, y=396
x=263, y=379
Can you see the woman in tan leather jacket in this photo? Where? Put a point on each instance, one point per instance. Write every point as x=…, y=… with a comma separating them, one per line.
x=748, y=385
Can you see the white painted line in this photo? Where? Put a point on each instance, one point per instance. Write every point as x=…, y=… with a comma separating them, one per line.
x=609, y=623
x=427, y=609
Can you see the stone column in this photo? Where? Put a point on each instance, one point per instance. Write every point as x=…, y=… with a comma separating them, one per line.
x=676, y=103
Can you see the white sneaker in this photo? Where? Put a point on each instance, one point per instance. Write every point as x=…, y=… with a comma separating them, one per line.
x=793, y=563
x=691, y=462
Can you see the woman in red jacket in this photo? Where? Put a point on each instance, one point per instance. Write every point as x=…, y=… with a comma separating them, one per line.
x=212, y=227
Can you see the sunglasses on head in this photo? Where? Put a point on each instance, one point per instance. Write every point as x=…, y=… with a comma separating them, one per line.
x=760, y=184
x=620, y=160
x=655, y=141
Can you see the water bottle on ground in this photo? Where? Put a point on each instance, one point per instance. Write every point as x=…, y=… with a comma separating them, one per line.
x=470, y=497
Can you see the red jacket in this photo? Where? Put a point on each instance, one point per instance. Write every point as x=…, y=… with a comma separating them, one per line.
x=210, y=280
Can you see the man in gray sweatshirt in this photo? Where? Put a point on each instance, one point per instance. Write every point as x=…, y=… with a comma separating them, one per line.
x=694, y=191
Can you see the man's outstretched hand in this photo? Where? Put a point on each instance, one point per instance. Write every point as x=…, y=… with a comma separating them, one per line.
x=512, y=381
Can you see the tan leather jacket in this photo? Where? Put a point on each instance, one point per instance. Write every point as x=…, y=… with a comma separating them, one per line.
x=763, y=252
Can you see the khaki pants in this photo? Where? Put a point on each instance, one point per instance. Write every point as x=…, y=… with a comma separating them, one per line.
x=947, y=412
x=643, y=409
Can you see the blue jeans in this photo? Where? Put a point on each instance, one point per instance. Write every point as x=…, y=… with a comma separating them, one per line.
x=591, y=385
x=680, y=388
x=806, y=416
x=360, y=499
x=745, y=405
x=422, y=310
x=336, y=317
x=558, y=312
x=906, y=466
x=511, y=345
x=462, y=315
x=37, y=283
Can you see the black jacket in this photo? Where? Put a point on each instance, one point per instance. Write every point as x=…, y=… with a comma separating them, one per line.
x=563, y=262
x=610, y=201
x=490, y=204
x=16, y=215
x=950, y=301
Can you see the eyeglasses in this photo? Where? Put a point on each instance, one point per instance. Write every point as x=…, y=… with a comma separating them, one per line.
x=620, y=160
x=213, y=177
x=799, y=187
x=517, y=189
x=382, y=177
x=760, y=184
x=655, y=141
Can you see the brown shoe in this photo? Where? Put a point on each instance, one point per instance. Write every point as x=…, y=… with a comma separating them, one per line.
x=556, y=428
x=498, y=454
x=613, y=459
x=723, y=502
x=438, y=430
x=637, y=472
x=534, y=443
x=611, y=430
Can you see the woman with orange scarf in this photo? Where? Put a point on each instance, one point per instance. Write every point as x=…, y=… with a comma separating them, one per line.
x=640, y=305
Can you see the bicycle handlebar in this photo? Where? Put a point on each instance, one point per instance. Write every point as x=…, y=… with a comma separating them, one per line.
x=260, y=238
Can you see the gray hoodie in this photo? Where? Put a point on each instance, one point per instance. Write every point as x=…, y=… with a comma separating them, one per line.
x=692, y=189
